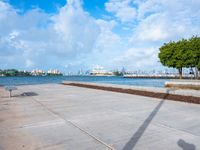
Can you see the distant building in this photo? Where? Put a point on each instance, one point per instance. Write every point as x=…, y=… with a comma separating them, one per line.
x=37, y=72
x=54, y=72
x=99, y=71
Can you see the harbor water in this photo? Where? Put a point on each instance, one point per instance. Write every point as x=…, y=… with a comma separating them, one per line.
x=5, y=81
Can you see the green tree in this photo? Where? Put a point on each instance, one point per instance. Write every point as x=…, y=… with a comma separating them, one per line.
x=181, y=54
x=175, y=54
x=11, y=72
x=166, y=54
x=170, y=56
x=195, y=50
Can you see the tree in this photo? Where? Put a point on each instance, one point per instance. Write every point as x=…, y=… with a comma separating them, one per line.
x=195, y=49
x=181, y=54
x=166, y=54
x=170, y=56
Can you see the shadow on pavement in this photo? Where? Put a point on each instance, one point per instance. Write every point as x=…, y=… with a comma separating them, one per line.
x=138, y=134
x=26, y=94
x=5, y=95
x=29, y=94
x=186, y=146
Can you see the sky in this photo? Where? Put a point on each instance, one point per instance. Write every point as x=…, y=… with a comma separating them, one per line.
x=81, y=34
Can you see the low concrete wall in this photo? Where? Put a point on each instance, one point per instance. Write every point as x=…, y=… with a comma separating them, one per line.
x=190, y=96
x=183, y=84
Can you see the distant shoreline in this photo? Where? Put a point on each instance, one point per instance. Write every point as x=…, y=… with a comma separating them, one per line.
x=129, y=76
x=159, y=77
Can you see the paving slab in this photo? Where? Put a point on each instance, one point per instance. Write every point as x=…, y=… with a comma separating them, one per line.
x=55, y=116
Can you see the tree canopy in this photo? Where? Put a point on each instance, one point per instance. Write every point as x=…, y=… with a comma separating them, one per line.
x=181, y=54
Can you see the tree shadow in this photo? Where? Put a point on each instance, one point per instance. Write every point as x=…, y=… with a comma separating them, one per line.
x=26, y=94
x=186, y=146
x=138, y=134
x=21, y=95
x=29, y=94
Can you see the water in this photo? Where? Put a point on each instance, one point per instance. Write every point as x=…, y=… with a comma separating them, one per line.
x=58, y=79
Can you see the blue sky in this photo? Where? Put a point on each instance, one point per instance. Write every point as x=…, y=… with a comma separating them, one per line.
x=81, y=34
x=45, y=5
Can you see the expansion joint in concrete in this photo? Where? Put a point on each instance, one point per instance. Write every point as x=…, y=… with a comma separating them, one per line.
x=76, y=126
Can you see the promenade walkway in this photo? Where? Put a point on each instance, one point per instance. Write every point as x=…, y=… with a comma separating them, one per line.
x=60, y=117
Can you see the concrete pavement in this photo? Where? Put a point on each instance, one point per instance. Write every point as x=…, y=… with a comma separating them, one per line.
x=53, y=116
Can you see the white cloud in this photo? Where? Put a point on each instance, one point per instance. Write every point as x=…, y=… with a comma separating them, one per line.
x=29, y=63
x=175, y=8
x=159, y=21
x=107, y=38
x=162, y=20
x=122, y=10
x=37, y=39
x=77, y=29
x=139, y=58
x=156, y=27
x=72, y=38
x=107, y=46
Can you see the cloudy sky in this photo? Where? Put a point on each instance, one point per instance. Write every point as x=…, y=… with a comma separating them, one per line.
x=80, y=34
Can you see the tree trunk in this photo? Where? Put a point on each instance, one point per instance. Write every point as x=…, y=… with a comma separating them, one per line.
x=180, y=71
x=192, y=72
x=196, y=73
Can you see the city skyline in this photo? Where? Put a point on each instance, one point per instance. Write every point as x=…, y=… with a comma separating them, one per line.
x=80, y=34
x=102, y=70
